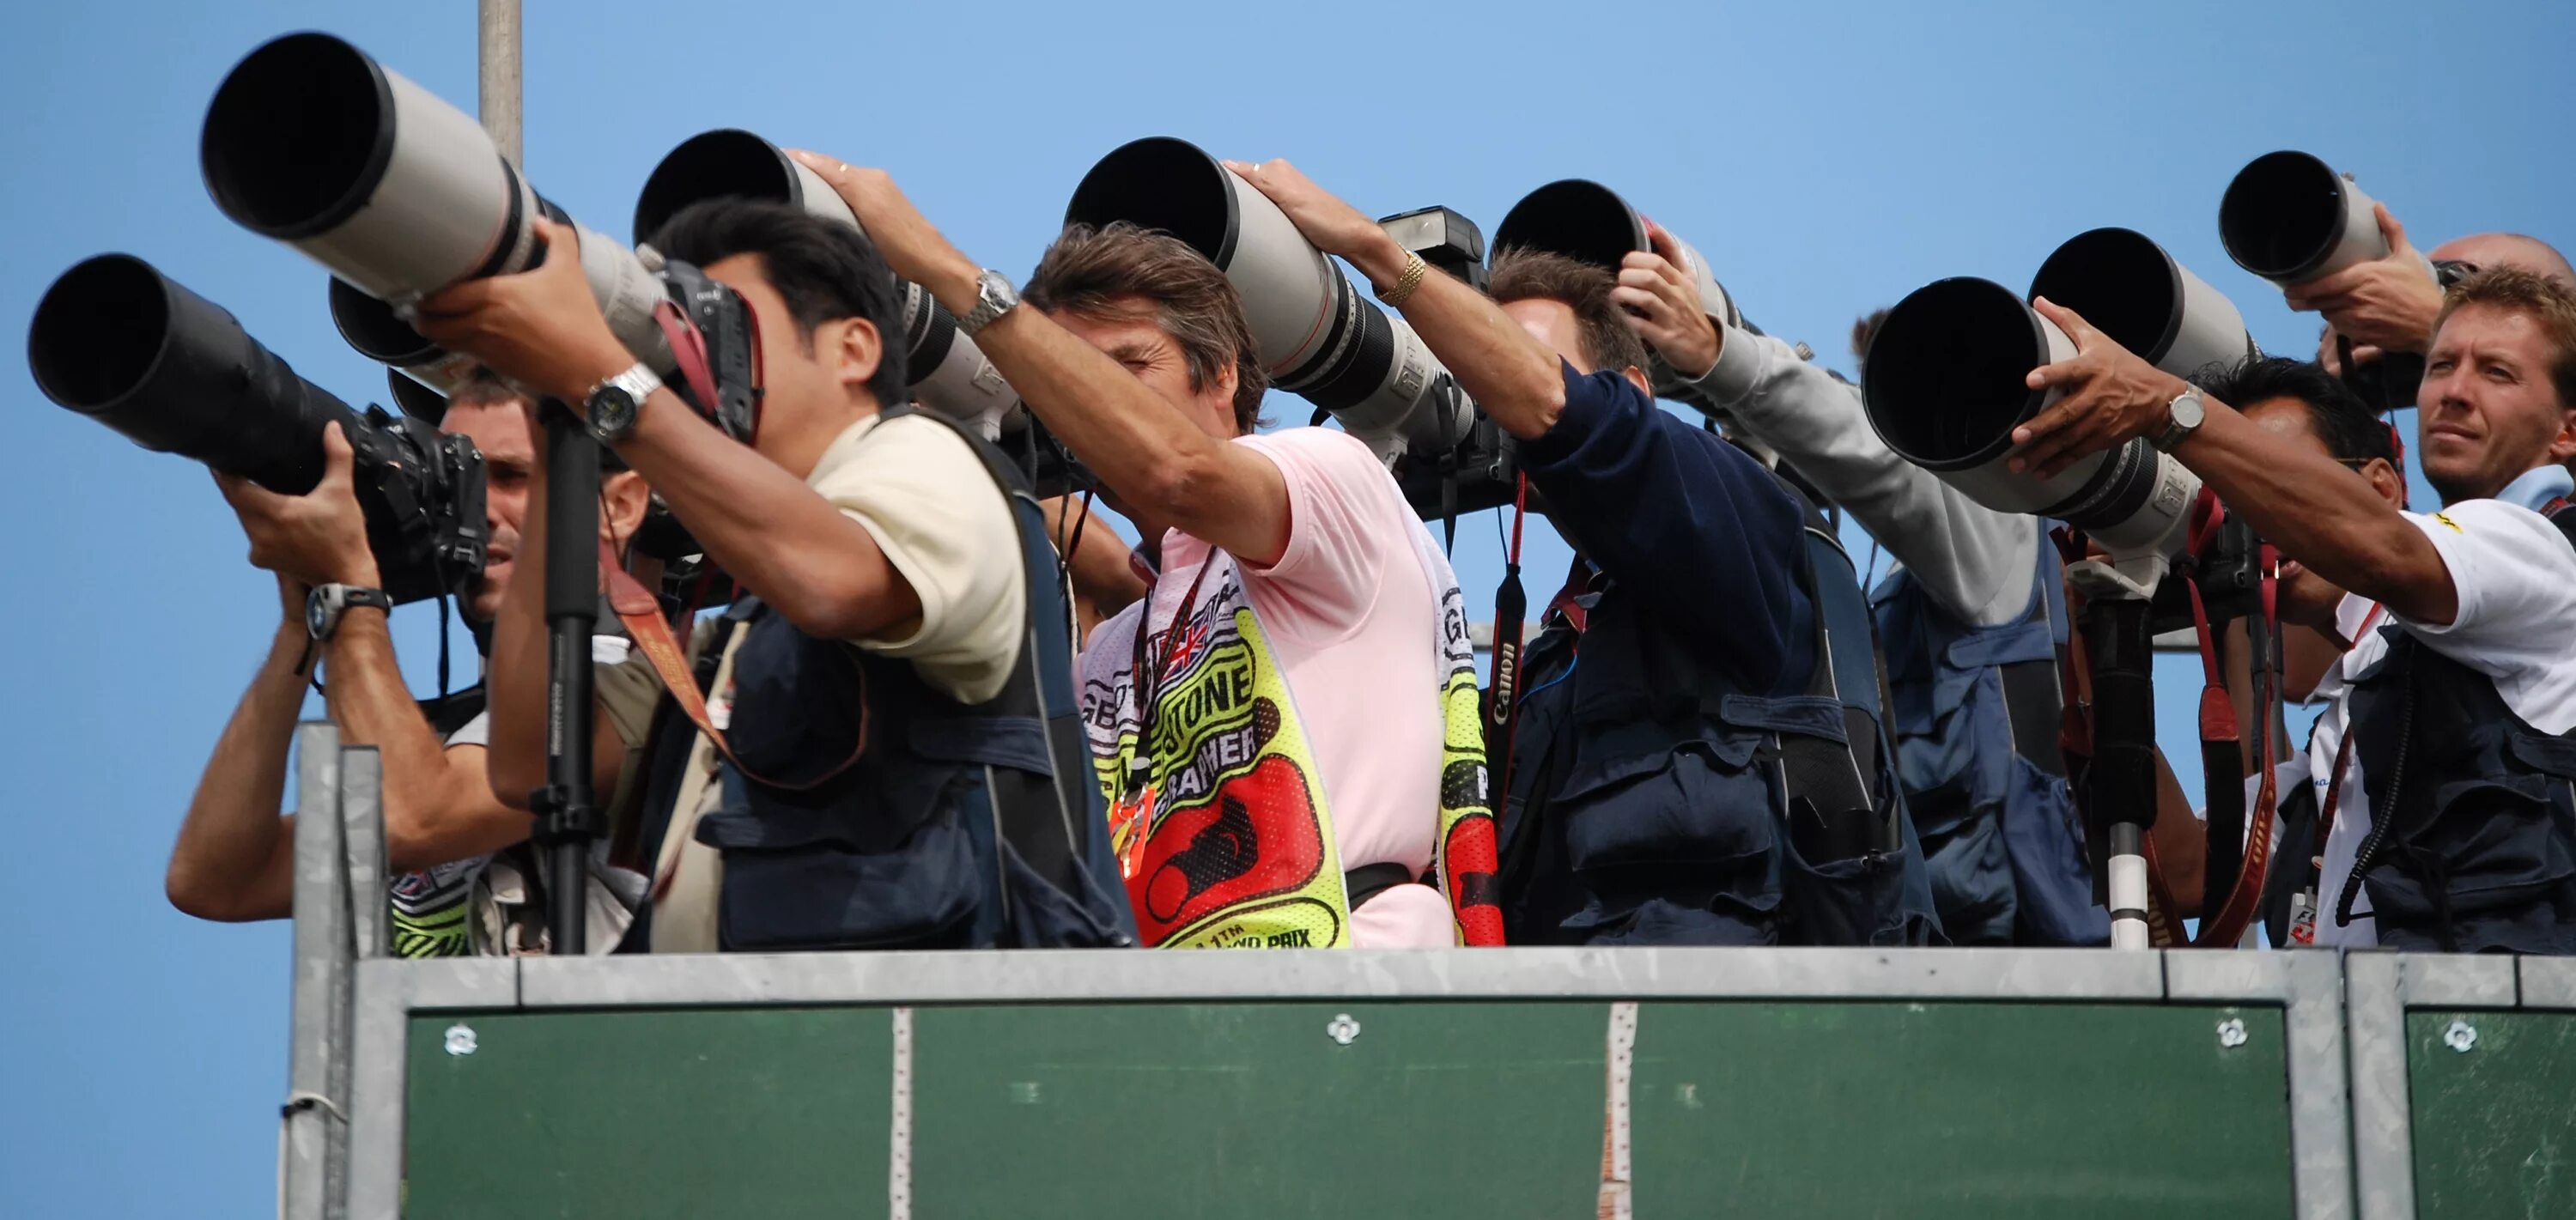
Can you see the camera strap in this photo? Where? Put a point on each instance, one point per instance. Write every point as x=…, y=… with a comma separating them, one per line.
x=1511, y=605
x=2229, y=821
x=641, y=612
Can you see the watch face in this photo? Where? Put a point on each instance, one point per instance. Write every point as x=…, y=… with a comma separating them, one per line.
x=611, y=403
x=317, y=614
x=2187, y=410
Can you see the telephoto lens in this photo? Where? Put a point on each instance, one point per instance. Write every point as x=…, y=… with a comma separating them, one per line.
x=1319, y=337
x=1947, y=385
x=312, y=142
x=2141, y=298
x=1590, y=223
x=115, y=340
x=2289, y=218
x=947, y=372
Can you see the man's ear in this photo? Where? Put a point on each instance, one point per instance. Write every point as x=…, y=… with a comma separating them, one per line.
x=1637, y=377
x=2562, y=447
x=1228, y=380
x=857, y=353
x=623, y=499
x=2385, y=480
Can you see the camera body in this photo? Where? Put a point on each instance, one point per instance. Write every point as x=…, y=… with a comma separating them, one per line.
x=422, y=491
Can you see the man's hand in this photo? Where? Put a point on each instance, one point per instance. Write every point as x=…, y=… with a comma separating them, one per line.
x=2388, y=302
x=1664, y=308
x=1329, y=224
x=540, y=328
x=912, y=247
x=317, y=538
x=2112, y=397
x=2330, y=355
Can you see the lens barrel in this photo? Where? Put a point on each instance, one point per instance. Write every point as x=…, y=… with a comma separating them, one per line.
x=1590, y=223
x=1947, y=385
x=2290, y=218
x=1319, y=338
x=944, y=368
x=2145, y=300
x=118, y=341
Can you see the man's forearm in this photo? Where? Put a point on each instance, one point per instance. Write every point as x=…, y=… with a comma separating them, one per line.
x=2324, y=516
x=234, y=859
x=516, y=683
x=363, y=685
x=765, y=527
x=1513, y=377
x=1165, y=468
x=514, y=679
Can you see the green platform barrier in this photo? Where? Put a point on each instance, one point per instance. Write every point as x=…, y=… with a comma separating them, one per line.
x=2464, y=1086
x=1744, y=1082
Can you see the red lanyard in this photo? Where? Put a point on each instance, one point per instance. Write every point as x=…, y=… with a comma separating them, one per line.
x=1149, y=670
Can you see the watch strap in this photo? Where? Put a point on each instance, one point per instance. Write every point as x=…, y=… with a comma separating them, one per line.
x=2175, y=430
x=994, y=297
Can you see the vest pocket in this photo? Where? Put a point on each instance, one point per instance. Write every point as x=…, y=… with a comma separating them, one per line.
x=1674, y=846
x=810, y=884
x=2486, y=872
x=1857, y=901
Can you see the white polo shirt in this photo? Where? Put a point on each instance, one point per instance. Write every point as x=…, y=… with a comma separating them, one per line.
x=2516, y=577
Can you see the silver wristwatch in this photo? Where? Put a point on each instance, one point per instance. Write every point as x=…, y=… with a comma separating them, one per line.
x=2184, y=416
x=614, y=405
x=994, y=297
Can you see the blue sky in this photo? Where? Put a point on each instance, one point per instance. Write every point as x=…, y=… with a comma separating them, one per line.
x=1827, y=158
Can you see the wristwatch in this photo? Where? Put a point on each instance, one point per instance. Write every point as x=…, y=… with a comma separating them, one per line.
x=613, y=404
x=2183, y=417
x=326, y=603
x=994, y=297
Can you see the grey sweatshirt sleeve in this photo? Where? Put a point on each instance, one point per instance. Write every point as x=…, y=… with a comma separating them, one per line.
x=1975, y=561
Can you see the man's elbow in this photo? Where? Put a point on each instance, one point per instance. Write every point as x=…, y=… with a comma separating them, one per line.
x=1182, y=489
x=200, y=897
x=2405, y=572
x=514, y=773
x=837, y=603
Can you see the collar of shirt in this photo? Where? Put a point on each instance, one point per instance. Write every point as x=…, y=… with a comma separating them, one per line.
x=2537, y=487
x=2350, y=616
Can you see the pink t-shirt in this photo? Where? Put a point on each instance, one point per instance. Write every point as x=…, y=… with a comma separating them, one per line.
x=1350, y=615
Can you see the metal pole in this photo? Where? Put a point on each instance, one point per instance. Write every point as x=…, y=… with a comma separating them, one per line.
x=315, y=1140
x=567, y=820
x=499, y=62
x=362, y=821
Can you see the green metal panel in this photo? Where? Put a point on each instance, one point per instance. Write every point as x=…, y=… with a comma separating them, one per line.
x=1430, y=1108
x=770, y=1112
x=2494, y=1125
x=1216, y=1111
x=1918, y=1110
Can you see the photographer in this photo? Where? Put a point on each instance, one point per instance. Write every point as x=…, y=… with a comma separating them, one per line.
x=1640, y=814
x=875, y=698
x=2452, y=829
x=1970, y=625
x=235, y=855
x=1269, y=720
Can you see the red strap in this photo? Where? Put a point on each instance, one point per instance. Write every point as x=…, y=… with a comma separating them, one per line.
x=2226, y=928
x=641, y=612
x=689, y=350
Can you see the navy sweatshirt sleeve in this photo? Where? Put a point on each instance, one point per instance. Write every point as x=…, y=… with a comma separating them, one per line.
x=1707, y=539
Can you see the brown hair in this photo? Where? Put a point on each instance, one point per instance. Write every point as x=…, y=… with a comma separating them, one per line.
x=1521, y=274
x=1088, y=269
x=2544, y=300
x=1865, y=329
x=484, y=388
